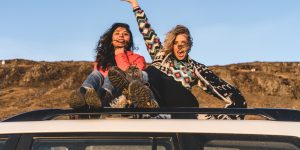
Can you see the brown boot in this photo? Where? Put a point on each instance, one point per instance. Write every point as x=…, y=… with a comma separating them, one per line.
x=118, y=78
x=141, y=95
x=92, y=99
x=106, y=98
x=77, y=100
x=134, y=72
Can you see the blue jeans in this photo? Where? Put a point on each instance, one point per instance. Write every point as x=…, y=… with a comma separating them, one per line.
x=100, y=83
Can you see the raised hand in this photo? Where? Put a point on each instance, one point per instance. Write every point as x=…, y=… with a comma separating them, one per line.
x=133, y=3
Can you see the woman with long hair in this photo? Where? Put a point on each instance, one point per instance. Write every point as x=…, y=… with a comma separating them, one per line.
x=173, y=73
x=114, y=48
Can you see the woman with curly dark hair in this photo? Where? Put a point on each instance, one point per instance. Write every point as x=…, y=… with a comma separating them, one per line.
x=114, y=48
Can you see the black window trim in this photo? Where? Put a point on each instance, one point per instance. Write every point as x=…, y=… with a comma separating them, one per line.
x=247, y=137
x=26, y=140
x=12, y=141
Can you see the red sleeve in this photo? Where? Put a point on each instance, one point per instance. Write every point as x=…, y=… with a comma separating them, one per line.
x=140, y=62
x=122, y=61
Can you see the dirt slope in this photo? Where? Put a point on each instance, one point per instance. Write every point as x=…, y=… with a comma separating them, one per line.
x=28, y=85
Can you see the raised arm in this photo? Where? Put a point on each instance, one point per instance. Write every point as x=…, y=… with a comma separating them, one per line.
x=151, y=39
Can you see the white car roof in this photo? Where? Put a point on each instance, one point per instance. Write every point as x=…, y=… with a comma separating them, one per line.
x=261, y=127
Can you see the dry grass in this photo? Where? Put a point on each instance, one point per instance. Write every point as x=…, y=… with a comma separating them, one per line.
x=27, y=85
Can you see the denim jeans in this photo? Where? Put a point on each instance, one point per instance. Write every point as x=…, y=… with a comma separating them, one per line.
x=100, y=83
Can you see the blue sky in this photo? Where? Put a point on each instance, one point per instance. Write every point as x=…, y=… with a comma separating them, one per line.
x=224, y=31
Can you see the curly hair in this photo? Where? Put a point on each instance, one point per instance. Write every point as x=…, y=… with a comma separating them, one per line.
x=171, y=36
x=105, y=51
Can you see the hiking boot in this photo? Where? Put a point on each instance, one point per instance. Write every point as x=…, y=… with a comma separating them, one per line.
x=77, y=100
x=134, y=72
x=141, y=95
x=92, y=99
x=118, y=78
x=106, y=98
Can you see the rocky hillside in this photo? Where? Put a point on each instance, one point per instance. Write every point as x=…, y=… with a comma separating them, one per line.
x=28, y=85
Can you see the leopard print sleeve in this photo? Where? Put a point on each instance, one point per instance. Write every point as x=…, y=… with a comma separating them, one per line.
x=151, y=39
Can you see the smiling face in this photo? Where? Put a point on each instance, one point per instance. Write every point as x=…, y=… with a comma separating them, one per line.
x=120, y=37
x=181, y=46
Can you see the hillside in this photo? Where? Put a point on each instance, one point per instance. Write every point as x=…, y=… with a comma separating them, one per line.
x=29, y=85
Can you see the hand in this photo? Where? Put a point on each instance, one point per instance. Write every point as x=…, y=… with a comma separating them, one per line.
x=133, y=3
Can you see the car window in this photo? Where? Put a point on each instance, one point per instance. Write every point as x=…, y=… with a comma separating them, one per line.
x=103, y=144
x=2, y=142
x=238, y=142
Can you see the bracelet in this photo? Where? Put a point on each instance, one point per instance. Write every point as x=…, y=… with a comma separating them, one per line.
x=136, y=8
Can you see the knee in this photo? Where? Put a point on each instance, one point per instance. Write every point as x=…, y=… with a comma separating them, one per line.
x=97, y=73
x=151, y=69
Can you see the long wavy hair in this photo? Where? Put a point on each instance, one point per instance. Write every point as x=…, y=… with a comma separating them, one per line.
x=105, y=50
x=171, y=36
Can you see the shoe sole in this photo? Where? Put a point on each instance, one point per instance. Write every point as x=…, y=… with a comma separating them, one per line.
x=76, y=100
x=134, y=72
x=118, y=78
x=92, y=99
x=141, y=95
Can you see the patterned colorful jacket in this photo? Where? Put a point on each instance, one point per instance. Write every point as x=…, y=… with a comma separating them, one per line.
x=187, y=72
